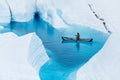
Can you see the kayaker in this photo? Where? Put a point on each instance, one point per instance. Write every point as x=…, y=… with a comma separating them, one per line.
x=77, y=36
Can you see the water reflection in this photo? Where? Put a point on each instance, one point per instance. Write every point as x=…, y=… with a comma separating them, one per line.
x=54, y=71
x=65, y=57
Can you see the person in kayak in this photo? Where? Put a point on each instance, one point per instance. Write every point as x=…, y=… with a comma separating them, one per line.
x=77, y=36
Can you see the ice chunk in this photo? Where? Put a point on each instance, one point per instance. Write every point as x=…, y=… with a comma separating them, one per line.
x=6, y=38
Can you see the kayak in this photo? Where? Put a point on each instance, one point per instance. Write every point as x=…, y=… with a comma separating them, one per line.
x=74, y=39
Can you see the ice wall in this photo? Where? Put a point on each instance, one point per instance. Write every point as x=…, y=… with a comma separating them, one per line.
x=22, y=10
x=13, y=58
x=70, y=12
x=37, y=56
x=5, y=16
x=57, y=13
x=17, y=10
x=47, y=11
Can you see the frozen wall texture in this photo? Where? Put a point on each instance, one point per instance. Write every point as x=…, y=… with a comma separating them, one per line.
x=13, y=58
x=105, y=65
x=22, y=10
x=47, y=11
x=57, y=13
x=17, y=10
x=5, y=16
x=37, y=56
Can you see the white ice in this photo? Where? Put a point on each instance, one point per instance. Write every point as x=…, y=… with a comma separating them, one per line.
x=5, y=16
x=16, y=60
x=47, y=11
x=17, y=10
x=105, y=64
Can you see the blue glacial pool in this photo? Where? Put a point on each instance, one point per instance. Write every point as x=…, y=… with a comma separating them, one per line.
x=65, y=57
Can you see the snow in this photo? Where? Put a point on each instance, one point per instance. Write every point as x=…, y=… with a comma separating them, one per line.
x=15, y=55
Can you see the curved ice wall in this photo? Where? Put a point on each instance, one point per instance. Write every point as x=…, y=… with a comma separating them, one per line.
x=58, y=13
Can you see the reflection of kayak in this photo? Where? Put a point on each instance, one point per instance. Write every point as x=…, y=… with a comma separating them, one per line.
x=74, y=39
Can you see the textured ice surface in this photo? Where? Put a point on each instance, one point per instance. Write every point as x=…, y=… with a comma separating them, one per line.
x=14, y=63
x=37, y=53
x=17, y=10
x=5, y=15
x=22, y=10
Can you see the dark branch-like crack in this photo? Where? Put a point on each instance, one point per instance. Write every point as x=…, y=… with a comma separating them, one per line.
x=101, y=19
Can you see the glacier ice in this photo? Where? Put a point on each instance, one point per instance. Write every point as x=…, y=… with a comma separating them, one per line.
x=37, y=54
x=76, y=12
x=17, y=10
x=22, y=10
x=105, y=64
x=13, y=58
x=48, y=12
x=5, y=16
